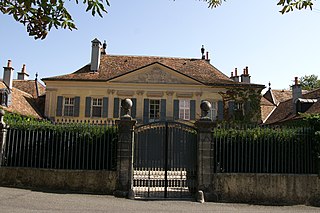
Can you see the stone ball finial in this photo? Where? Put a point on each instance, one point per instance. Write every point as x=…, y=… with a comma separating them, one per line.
x=126, y=104
x=205, y=108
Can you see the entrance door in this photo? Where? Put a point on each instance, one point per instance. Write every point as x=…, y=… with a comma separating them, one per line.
x=165, y=160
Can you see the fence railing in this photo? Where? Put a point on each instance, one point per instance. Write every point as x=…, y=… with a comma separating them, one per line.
x=263, y=150
x=61, y=146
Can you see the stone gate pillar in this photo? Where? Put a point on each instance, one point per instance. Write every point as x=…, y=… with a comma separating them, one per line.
x=3, y=135
x=125, y=151
x=205, y=153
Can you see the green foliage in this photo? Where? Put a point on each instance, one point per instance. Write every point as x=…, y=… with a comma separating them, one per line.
x=81, y=130
x=41, y=15
x=310, y=82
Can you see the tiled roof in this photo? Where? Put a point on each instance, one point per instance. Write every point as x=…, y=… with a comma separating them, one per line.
x=112, y=66
x=29, y=87
x=22, y=103
x=285, y=111
x=266, y=108
x=277, y=96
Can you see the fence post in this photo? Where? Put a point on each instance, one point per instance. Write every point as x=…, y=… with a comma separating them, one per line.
x=205, y=153
x=125, y=152
x=3, y=135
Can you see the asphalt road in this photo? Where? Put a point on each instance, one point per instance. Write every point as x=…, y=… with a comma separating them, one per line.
x=23, y=200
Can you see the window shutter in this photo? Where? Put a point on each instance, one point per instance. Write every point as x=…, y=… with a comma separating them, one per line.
x=220, y=110
x=192, y=109
x=105, y=102
x=116, y=108
x=231, y=108
x=175, y=109
x=134, y=107
x=247, y=107
x=163, y=108
x=146, y=111
x=87, y=112
x=76, y=106
x=121, y=109
x=59, y=106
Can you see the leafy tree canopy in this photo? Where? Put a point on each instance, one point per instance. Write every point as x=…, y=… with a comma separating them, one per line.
x=310, y=82
x=39, y=16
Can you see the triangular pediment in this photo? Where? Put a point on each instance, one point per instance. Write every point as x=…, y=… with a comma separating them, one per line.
x=155, y=73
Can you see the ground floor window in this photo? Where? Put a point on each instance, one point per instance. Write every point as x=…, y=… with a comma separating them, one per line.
x=213, y=113
x=68, y=107
x=184, y=109
x=154, y=110
x=96, y=107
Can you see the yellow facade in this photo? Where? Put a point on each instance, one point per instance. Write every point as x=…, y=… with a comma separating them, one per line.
x=151, y=82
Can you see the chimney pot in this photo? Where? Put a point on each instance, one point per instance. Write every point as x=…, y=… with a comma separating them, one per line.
x=9, y=63
x=23, y=70
x=236, y=71
x=247, y=70
x=231, y=74
x=296, y=81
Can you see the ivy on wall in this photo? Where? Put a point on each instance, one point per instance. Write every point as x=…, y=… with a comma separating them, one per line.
x=249, y=98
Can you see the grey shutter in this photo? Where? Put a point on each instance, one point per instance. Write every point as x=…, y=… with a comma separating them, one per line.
x=220, y=110
x=247, y=107
x=76, y=106
x=59, y=106
x=87, y=112
x=121, y=109
x=193, y=110
x=146, y=111
x=231, y=108
x=175, y=109
x=116, y=107
x=163, y=108
x=134, y=108
x=105, y=102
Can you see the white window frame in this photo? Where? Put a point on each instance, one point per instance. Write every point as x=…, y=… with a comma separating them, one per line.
x=156, y=116
x=184, y=109
x=68, y=106
x=96, y=102
x=213, y=112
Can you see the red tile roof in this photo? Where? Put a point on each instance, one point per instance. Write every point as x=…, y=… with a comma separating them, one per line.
x=22, y=103
x=112, y=66
x=29, y=86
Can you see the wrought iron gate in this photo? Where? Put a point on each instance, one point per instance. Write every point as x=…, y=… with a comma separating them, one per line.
x=165, y=160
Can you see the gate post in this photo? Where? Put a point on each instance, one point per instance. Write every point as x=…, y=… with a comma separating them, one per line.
x=125, y=151
x=3, y=135
x=205, y=153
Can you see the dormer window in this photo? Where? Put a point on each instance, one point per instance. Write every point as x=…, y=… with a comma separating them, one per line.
x=4, y=97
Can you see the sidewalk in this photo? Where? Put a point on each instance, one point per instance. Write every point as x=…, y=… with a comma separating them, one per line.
x=23, y=200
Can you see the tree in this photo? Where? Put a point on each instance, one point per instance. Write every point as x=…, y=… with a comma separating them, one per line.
x=310, y=82
x=39, y=16
x=287, y=5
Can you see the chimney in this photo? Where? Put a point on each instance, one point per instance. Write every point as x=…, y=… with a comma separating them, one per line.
x=23, y=75
x=207, y=57
x=202, y=53
x=296, y=92
x=95, y=55
x=235, y=77
x=245, y=77
x=8, y=75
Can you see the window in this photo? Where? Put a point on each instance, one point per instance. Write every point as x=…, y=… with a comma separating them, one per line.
x=68, y=107
x=213, y=113
x=96, y=108
x=154, y=110
x=184, y=109
x=238, y=110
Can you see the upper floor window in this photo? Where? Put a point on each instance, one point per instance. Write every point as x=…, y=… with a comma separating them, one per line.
x=184, y=109
x=68, y=107
x=154, y=110
x=96, y=108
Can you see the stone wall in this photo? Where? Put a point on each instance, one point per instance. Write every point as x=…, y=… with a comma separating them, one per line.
x=98, y=182
x=275, y=189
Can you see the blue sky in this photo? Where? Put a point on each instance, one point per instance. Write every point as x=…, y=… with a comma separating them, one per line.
x=239, y=33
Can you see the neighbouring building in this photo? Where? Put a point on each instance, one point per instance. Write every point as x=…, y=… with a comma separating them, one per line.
x=21, y=96
x=161, y=88
x=282, y=106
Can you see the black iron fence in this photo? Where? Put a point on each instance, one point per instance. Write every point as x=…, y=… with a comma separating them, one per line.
x=263, y=150
x=61, y=146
